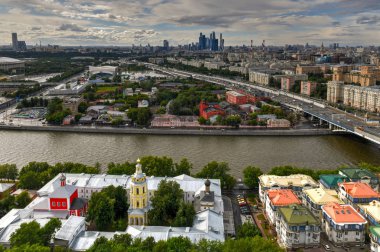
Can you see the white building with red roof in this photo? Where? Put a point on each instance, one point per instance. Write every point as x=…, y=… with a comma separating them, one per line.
x=343, y=224
x=278, y=198
x=354, y=193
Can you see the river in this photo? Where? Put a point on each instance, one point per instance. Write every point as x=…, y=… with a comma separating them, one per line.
x=319, y=152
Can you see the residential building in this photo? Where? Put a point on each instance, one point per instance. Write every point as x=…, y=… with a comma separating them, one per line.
x=354, y=193
x=278, y=198
x=343, y=224
x=169, y=121
x=234, y=97
x=363, y=98
x=366, y=76
x=298, y=227
x=371, y=212
x=261, y=78
x=375, y=238
x=287, y=82
x=360, y=175
x=330, y=181
x=296, y=182
x=315, y=198
x=312, y=69
x=308, y=87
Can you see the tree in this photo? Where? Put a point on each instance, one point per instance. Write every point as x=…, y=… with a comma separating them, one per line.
x=48, y=231
x=23, y=199
x=119, y=194
x=202, y=120
x=120, y=169
x=30, y=180
x=184, y=167
x=248, y=230
x=217, y=170
x=82, y=107
x=257, y=244
x=165, y=203
x=185, y=216
x=233, y=120
x=179, y=244
x=209, y=246
x=32, y=233
x=8, y=171
x=158, y=166
x=104, y=213
x=251, y=176
x=143, y=116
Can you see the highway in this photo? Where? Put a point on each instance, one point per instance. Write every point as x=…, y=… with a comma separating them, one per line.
x=337, y=120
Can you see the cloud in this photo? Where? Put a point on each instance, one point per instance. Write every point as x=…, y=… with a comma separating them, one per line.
x=71, y=27
x=368, y=20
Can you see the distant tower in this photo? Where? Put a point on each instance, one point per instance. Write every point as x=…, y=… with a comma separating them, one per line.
x=221, y=42
x=14, y=41
x=63, y=180
x=138, y=196
x=166, y=45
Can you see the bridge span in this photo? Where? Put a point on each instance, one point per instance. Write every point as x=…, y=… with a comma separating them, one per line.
x=336, y=119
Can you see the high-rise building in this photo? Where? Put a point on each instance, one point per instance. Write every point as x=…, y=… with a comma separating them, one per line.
x=202, y=42
x=166, y=45
x=14, y=41
x=221, y=43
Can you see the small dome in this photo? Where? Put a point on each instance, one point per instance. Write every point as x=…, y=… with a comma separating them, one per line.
x=207, y=182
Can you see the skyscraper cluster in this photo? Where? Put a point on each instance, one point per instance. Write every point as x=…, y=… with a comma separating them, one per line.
x=18, y=45
x=211, y=43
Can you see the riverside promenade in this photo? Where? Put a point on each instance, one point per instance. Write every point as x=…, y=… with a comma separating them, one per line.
x=177, y=131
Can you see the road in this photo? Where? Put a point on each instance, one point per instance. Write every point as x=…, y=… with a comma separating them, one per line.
x=338, y=119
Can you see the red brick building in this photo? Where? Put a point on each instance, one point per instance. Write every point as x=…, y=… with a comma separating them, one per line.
x=308, y=87
x=207, y=110
x=234, y=97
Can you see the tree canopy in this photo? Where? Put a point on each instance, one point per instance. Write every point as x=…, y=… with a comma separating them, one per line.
x=251, y=176
x=220, y=171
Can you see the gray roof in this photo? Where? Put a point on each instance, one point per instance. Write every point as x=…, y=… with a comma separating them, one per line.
x=63, y=191
x=208, y=197
x=71, y=228
x=9, y=60
x=78, y=203
x=5, y=186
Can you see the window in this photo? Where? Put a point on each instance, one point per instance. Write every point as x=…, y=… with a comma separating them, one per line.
x=143, y=189
x=63, y=204
x=137, y=191
x=53, y=204
x=138, y=205
x=58, y=204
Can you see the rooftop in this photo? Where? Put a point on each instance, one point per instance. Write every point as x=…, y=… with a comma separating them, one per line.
x=375, y=231
x=331, y=180
x=70, y=228
x=297, y=215
x=372, y=209
x=9, y=60
x=322, y=196
x=299, y=180
x=5, y=186
x=343, y=213
x=359, y=190
x=283, y=197
x=355, y=173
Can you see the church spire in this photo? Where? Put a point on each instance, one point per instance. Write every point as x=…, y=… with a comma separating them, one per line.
x=138, y=167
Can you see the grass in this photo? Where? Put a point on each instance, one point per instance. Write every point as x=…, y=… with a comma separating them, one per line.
x=106, y=89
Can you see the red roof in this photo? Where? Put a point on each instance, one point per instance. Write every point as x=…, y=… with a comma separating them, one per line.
x=359, y=190
x=343, y=213
x=283, y=197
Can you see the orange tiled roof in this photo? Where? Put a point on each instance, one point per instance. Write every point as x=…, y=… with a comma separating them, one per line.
x=343, y=213
x=359, y=190
x=283, y=197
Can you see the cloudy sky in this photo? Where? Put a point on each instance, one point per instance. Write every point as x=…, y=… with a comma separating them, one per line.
x=126, y=22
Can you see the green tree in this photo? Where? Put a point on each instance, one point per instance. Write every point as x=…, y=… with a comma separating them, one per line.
x=251, y=176
x=119, y=194
x=158, y=166
x=202, y=120
x=256, y=244
x=120, y=169
x=104, y=213
x=143, y=116
x=247, y=230
x=209, y=246
x=8, y=171
x=185, y=215
x=48, y=231
x=23, y=199
x=220, y=171
x=179, y=244
x=183, y=167
x=233, y=120
x=165, y=203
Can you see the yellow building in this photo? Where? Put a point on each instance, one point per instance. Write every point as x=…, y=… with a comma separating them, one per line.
x=139, y=204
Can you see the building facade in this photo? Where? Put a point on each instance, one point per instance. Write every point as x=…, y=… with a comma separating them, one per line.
x=315, y=198
x=355, y=193
x=298, y=228
x=343, y=224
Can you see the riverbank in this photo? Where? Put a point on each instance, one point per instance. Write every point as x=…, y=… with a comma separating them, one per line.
x=155, y=131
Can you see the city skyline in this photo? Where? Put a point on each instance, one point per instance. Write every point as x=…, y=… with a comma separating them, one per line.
x=74, y=22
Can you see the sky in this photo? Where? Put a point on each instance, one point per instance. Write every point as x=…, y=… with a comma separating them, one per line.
x=127, y=22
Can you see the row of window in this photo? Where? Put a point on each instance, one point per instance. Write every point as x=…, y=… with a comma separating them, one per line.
x=58, y=204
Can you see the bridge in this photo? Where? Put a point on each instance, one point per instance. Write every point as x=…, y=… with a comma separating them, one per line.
x=337, y=120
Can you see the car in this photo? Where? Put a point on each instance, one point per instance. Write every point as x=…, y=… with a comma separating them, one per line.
x=327, y=247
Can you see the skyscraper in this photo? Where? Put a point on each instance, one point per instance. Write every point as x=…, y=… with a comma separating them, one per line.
x=221, y=42
x=166, y=45
x=202, y=42
x=14, y=41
